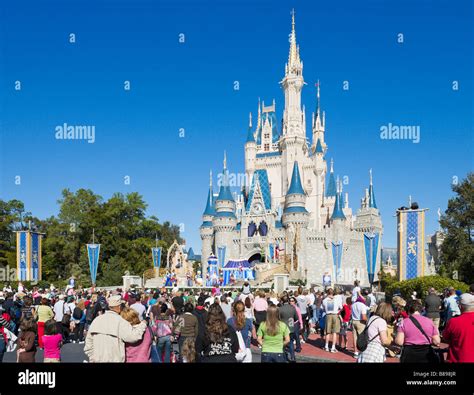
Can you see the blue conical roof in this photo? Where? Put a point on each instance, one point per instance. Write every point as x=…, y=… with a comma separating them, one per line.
x=337, y=212
x=250, y=136
x=224, y=191
x=331, y=188
x=295, y=186
x=209, y=210
x=319, y=147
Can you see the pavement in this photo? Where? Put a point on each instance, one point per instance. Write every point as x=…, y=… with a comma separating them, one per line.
x=311, y=351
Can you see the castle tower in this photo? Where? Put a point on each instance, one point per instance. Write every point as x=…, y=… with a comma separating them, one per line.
x=225, y=221
x=206, y=230
x=293, y=142
x=295, y=219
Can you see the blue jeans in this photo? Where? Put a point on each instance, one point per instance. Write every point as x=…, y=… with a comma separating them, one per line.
x=270, y=357
x=297, y=336
x=164, y=343
x=3, y=347
x=291, y=346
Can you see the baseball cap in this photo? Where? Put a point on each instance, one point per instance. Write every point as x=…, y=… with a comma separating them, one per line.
x=115, y=300
x=467, y=299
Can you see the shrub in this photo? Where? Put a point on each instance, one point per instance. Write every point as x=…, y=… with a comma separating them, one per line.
x=421, y=285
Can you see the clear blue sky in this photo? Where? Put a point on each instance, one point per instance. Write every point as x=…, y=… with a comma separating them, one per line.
x=190, y=86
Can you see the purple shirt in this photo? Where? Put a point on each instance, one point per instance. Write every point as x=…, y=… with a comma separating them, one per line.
x=413, y=335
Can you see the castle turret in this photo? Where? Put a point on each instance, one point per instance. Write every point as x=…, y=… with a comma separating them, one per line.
x=337, y=213
x=295, y=201
x=206, y=230
x=225, y=221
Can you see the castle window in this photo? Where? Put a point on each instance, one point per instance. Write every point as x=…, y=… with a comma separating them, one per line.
x=266, y=147
x=267, y=135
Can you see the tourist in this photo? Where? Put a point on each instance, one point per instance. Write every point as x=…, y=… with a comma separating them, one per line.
x=162, y=331
x=226, y=307
x=219, y=342
x=246, y=289
x=135, y=304
x=370, y=301
x=345, y=315
x=26, y=351
x=273, y=335
x=302, y=300
x=359, y=318
x=108, y=333
x=27, y=310
x=356, y=291
x=4, y=324
x=79, y=317
x=291, y=316
x=60, y=308
x=249, y=311
x=433, y=307
x=190, y=327
x=332, y=307
x=416, y=334
x=459, y=332
x=451, y=305
x=138, y=351
x=377, y=335
x=260, y=306
x=201, y=314
x=242, y=325
x=45, y=313
x=52, y=341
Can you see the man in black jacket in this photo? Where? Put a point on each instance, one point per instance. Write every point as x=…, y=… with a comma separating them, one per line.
x=289, y=316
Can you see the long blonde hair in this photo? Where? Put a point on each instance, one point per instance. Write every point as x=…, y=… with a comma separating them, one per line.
x=273, y=320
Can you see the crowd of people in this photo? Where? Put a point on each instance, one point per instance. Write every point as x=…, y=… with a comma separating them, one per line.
x=172, y=326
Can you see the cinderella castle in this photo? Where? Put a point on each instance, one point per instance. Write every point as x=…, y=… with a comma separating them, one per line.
x=293, y=216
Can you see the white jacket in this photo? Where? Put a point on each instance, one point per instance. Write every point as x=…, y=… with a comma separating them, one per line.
x=107, y=335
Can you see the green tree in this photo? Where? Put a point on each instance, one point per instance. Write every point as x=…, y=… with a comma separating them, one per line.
x=457, y=250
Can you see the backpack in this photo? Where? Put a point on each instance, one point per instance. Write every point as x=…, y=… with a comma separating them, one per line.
x=162, y=328
x=77, y=313
x=89, y=314
x=15, y=313
x=363, y=338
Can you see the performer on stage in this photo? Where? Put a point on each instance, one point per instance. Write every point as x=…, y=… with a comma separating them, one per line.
x=168, y=280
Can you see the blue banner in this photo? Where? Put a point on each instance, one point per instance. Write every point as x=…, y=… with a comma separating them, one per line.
x=35, y=257
x=221, y=256
x=93, y=251
x=412, y=245
x=337, y=258
x=21, y=258
x=371, y=242
x=156, y=253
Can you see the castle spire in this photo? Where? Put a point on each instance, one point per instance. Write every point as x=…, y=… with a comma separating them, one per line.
x=294, y=62
x=337, y=212
x=250, y=120
x=371, y=192
x=209, y=210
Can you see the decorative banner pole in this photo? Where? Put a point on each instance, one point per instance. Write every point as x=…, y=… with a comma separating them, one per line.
x=93, y=251
x=156, y=254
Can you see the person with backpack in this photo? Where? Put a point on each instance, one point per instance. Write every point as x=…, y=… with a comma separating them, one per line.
x=162, y=332
x=359, y=312
x=372, y=341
